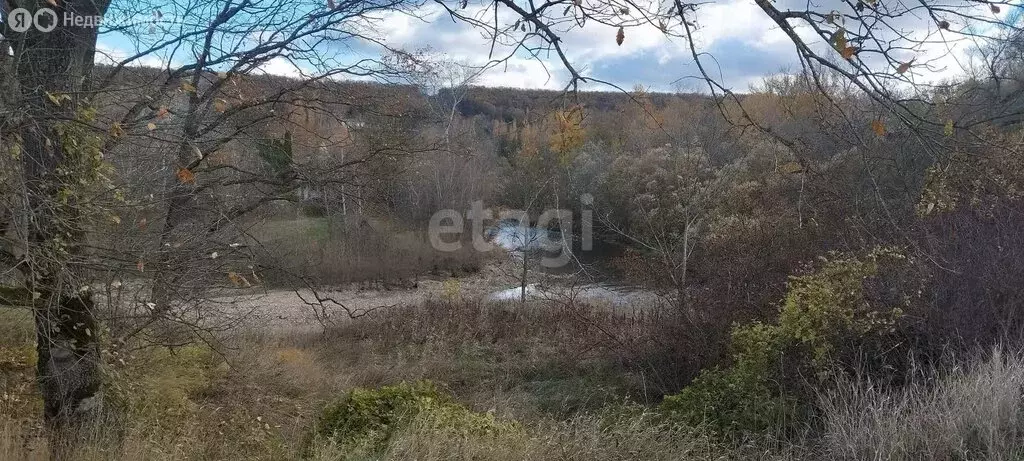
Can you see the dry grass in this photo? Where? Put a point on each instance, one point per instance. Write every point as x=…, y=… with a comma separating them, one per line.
x=975, y=412
x=575, y=380
x=583, y=437
x=538, y=358
x=548, y=367
x=354, y=250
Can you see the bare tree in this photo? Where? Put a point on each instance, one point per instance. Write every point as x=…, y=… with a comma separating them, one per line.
x=672, y=197
x=202, y=109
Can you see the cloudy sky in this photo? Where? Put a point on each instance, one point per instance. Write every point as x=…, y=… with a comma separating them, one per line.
x=736, y=33
x=741, y=43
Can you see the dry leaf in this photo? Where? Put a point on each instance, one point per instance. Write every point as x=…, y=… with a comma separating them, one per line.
x=162, y=112
x=222, y=75
x=620, y=36
x=948, y=129
x=944, y=25
x=53, y=98
x=878, y=127
x=238, y=280
x=142, y=223
x=791, y=168
x=849, y=52
x=839, y=40
x=116, y=130
x=995, y=9
x=188, y=87
x=220, y=105
x=185, y=176
x=141, y=266
x=151, y=126
x=903, y=68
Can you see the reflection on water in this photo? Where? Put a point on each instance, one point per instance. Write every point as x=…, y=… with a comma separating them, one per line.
x=517, y=239
x=512, y=236
x=615, y=295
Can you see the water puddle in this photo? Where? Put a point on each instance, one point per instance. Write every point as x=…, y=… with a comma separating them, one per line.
x=602, y=293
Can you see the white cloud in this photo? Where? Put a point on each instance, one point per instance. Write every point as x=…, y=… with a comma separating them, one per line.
x=110, y=55
x=522, y=73
x=281, y=66
x=729, y=25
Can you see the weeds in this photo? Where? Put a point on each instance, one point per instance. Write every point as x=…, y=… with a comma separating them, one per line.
x=541, y=382
x=972, y=412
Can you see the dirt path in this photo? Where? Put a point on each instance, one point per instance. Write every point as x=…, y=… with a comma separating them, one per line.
x=289, y=310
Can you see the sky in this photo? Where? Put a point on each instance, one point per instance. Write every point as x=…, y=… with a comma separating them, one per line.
x=741, y=45
x=736, y=33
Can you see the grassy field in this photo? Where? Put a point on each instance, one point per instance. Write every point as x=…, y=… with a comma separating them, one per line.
x=539, y=383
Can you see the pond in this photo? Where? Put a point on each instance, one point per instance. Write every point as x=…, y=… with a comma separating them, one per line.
x=538, y=243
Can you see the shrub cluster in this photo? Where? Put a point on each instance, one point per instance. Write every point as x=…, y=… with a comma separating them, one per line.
x=366, y=420
x=826, y=316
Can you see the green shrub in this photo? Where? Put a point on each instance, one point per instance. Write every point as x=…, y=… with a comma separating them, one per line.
x=744, y=397
x=365, y=420
x=825, y=314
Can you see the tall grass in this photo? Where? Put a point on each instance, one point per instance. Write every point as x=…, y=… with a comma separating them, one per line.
x=971, y=412
x=338, y=251
x=575, y=380
x=617, y=434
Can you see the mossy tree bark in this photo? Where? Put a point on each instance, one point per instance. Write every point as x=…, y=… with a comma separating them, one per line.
x=51, y=73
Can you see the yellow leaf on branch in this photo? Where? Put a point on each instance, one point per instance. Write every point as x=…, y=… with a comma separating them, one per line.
x=116, y=130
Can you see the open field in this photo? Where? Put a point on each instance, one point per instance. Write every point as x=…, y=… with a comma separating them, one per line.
x=564, y=384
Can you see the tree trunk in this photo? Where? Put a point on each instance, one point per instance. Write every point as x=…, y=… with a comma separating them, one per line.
x=522, y=278
x=68, y=364
x=52, y=72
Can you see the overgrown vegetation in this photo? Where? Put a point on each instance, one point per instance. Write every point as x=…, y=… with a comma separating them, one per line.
x=827, y=316
x=201, y=261
x=367, y=420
